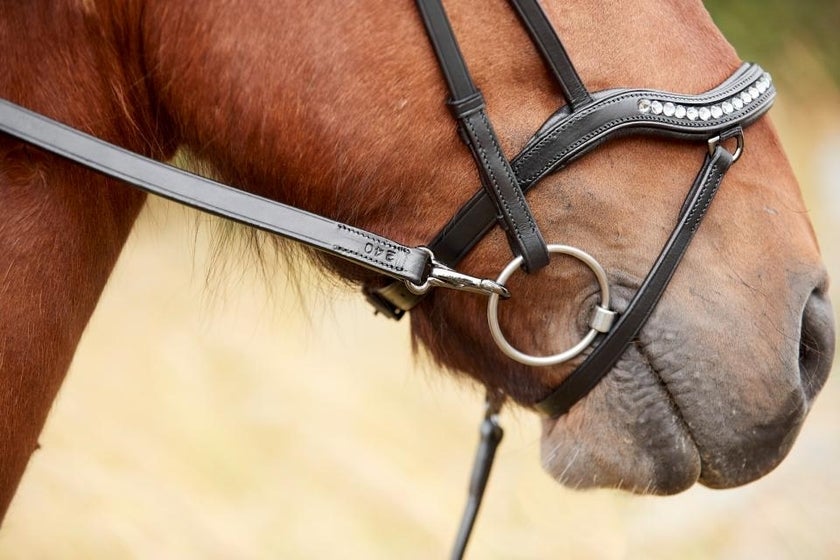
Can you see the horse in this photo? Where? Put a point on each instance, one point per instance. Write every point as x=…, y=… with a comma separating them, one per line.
x=337, y=109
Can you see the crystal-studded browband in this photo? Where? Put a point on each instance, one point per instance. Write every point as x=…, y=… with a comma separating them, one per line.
x=744, y=97
x=566, y=136
x=707, y=112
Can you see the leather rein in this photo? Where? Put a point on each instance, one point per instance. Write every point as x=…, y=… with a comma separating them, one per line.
x=587, y=120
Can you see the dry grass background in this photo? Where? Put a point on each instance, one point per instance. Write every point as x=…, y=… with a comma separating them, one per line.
x=227, y=424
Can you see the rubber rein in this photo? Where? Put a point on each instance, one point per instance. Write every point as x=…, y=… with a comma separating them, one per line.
x=587, y=120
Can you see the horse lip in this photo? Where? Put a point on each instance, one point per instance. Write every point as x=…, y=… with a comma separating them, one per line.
x=668, y=480
x=666, y=486
x=727, y=461
x=663, y=455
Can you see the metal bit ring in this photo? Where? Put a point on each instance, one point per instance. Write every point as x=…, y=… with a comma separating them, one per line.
x=602, y=318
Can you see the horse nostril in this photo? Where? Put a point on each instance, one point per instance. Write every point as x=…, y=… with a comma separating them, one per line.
x=816, y=343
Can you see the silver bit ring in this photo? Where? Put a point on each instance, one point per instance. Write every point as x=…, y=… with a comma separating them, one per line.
x=601, y=321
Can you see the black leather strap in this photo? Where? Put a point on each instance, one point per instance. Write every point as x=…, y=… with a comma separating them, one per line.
x=553, y=52
x=617, y=112
x=498, y=179
x=491, y=436
x=511, y=209
x=362, y=247
x=449, y=56
x=604, y=356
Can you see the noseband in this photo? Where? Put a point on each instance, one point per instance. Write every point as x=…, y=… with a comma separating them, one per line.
x=587, y=120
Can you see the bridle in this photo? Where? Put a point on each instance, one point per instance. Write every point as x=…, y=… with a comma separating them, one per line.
x=587, y=120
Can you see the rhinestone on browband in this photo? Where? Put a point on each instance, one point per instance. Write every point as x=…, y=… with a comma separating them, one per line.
x=708, y=112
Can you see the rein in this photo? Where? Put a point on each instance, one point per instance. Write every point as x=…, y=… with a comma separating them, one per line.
x=587, y=120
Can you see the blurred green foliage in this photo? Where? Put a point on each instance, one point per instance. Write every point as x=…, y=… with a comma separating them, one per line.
x=777, y=32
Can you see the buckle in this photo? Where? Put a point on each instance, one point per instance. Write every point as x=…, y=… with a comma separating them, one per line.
x=737, y=133
x=381, y=304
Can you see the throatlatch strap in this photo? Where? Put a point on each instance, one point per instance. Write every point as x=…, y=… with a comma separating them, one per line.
x=497, y=177
x=604, y=356
x=553, y=52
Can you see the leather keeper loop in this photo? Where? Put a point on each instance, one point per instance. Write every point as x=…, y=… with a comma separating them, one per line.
x=464, y=107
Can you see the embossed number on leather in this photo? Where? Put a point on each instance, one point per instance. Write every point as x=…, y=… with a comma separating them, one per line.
x=373, y=248
x=379, y=251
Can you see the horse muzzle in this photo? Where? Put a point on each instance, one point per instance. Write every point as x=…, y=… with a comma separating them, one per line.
x=694, y=401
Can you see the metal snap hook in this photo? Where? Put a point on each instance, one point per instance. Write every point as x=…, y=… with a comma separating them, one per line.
x=600, y=322
x=442, y=276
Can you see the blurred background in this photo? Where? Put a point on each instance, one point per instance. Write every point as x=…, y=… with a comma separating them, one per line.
x=226, y=417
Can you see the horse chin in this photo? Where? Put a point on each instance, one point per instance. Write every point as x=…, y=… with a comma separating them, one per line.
x=667, y=417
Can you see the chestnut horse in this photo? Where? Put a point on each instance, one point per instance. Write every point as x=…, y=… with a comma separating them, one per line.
x=336, y=107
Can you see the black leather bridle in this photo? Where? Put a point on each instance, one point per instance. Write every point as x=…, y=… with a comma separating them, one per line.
x=587, y=120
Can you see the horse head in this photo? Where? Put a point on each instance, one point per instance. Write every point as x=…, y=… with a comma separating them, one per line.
x=717, y=384
x=340, y=111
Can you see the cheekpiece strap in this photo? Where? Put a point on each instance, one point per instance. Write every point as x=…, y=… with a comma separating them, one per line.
x=510, y=209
